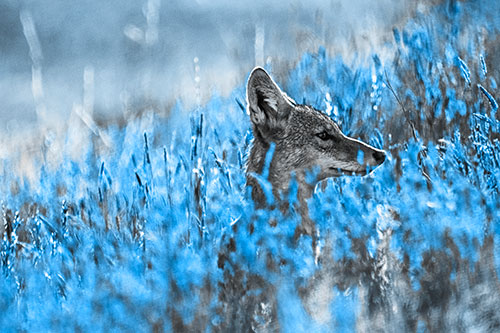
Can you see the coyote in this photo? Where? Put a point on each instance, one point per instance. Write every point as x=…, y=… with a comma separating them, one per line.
x=308, y=145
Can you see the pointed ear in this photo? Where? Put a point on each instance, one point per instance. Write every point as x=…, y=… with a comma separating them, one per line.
x=268, y=106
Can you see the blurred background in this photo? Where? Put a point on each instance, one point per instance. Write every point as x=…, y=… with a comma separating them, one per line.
x=101, y=58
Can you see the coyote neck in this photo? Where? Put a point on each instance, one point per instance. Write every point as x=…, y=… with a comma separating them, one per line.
x=279, y=181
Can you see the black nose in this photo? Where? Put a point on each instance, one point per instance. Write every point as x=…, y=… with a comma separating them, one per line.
x=379, y=157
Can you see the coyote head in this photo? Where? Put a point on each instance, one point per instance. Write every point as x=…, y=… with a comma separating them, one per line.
x=305, y=140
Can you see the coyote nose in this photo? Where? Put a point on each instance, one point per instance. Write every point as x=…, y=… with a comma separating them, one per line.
x=379, y=157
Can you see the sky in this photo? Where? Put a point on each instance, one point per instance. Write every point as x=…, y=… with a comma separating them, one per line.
x=109, y=55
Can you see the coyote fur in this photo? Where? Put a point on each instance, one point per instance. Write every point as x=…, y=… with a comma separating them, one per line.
x=308, y=145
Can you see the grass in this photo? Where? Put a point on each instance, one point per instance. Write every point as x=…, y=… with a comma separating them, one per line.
x=154, y=232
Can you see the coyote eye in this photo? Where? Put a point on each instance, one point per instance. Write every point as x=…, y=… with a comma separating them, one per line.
x=324, y=136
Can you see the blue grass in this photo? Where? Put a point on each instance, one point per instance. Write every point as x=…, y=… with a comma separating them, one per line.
x=161, y=233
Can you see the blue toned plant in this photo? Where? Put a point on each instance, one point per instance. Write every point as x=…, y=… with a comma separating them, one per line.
x=159, y=232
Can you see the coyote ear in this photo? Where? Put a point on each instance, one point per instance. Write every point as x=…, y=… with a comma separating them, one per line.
x=268, y=106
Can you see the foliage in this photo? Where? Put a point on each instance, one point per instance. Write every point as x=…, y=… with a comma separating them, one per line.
x=159, y=232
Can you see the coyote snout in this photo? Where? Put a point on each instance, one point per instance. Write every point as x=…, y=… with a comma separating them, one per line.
x=305, y=140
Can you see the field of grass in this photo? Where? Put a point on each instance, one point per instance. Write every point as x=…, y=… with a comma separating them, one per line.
x=146, y=226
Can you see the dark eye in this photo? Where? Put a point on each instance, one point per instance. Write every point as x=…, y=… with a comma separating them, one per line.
x=324, y=136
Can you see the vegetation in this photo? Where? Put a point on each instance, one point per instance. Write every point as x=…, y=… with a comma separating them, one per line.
x=158, y=232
